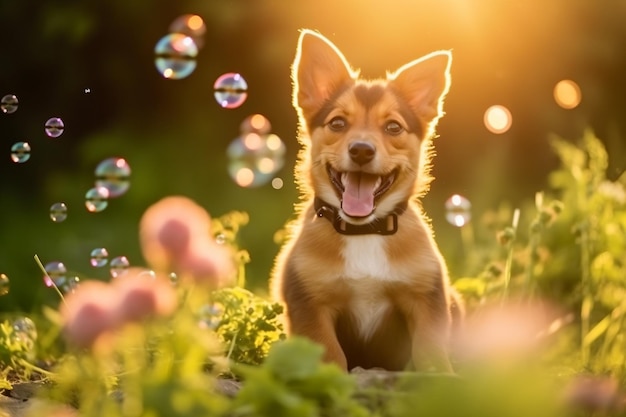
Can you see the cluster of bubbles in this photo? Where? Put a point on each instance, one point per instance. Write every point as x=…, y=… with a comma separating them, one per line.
x=458, y=210
x=57, y=276
x=176, y=52
x=20, y=151
x=256, y=155
x=112, y=179
x=175, y=58
x=498, y=118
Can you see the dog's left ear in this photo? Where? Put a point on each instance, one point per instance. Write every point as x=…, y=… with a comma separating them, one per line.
x=423, y=83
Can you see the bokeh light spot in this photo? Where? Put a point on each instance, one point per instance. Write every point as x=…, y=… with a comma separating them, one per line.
x=498, y=119
x=567, y=94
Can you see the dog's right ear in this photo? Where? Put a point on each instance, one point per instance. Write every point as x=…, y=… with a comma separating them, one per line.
x=318, y=70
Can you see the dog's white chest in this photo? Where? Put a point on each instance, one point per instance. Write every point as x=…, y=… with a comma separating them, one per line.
x=365, y=257
x=366, y=268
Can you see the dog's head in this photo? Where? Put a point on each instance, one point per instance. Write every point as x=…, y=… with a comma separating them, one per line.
x=366, y=144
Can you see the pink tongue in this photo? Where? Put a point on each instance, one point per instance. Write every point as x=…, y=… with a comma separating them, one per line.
x=358, y=195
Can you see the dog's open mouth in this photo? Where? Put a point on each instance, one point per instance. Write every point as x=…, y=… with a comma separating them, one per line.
x=360, y=190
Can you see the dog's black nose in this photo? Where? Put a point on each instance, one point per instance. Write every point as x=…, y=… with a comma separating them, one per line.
x=361, y=152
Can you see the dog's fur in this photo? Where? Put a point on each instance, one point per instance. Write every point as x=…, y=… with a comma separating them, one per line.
x=371, y=300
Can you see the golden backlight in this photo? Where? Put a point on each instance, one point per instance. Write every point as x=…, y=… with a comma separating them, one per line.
x=567, y=94
x=498, y=119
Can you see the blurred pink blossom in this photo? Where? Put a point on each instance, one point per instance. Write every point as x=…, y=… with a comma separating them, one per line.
x=175, y=237
x=96, y=309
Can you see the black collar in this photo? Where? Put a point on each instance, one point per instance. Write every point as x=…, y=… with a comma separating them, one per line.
x=386, y=226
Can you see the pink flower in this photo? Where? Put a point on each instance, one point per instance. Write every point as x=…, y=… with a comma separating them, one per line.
x=141, y=295
x=167, y=229
x=87, y=313
x=175, y=237
x=96, y=309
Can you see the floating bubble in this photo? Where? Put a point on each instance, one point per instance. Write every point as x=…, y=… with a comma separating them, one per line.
x=175, y=56
x=99, y=257
x=58, y=212
x=277, y=183
x=191, y=25
x=220, y=239
x=567, y=94
x=96, y=199
x=210, y=316
x=173, y=278
x=114, y=175
x=458, y=210
x=498, y=119
x=256, y=123
x=230, y=90
x=8, y=104
x=5, y=285
x=56, y=275
x=254, y=158
x=118, y=266
x=25, y=332
x=54, y=127
x=20, y=152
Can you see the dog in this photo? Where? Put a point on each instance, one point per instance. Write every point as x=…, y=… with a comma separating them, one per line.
x=360, y=272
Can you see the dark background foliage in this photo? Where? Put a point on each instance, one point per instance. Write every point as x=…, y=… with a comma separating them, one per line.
x=174, y=135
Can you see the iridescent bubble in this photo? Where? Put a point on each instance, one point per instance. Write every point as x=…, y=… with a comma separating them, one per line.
x=114, y=175
x=458, y=210
x=118, y=266
x=175, y=56
x=56, y=275
x=58, y=212
x=191, y=25
x=96, y=199
x=5, y=285
x=25, y=332
x=210, y=316
x=256, y=123
x=254, y=158
x=8, y=104
x=99, y=257
x=230, y=90
x=54, y=127
x=20, y=152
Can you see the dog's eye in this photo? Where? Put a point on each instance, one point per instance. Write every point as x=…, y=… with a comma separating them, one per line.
x=337, y=124
x=393, y=128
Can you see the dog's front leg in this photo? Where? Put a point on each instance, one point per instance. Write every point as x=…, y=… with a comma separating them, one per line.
x=318, y=324
x=428, y=321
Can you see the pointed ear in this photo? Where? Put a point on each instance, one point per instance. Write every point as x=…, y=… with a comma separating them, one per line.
x=424, y=83
x=318, y=70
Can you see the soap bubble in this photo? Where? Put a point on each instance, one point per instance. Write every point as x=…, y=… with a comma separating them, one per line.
x=54, y=127
x=254, y=158
x=99, y=257
x=56, y=275
x=256, y=123
x=230, y=90
x=8, y=104
x=25, y=332
x=97, y=199
x=114, y=175
x=58, y=212
x=20, y=152
x=191, y=25
x=458, y=210
x=118, y=266
x=5, y=285
x=175, y=56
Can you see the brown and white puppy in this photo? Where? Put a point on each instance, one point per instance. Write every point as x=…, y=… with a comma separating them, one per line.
x=361, y=273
